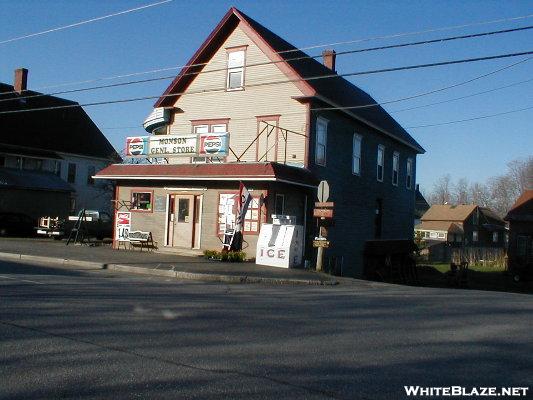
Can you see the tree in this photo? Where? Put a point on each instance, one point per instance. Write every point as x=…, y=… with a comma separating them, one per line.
x=441, y=193
x=480, y=195
x=461, y=193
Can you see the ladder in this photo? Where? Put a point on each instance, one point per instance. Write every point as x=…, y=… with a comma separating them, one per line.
x=229, y=235
x=79, y=232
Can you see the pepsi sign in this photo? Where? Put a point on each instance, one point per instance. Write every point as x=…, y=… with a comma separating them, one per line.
x=137, y=146
x=212, y=144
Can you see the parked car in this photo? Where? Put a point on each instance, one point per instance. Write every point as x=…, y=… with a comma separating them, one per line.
x=16, y=224
x=98, y=224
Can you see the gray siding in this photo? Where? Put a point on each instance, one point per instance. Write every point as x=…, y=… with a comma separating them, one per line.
x=355, y=196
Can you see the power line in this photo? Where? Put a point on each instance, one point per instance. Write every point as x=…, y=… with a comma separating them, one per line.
x=305, y=79
x=333, y=75
x=463, y=97
x=318, y=46
x=88, y=21
x=470, y=119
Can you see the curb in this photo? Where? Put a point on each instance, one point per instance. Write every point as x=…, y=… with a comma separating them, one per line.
x=168, y=273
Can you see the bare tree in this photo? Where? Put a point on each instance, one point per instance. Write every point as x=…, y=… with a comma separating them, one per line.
x=441, y=191
x=480, y=195
x=521, y=173
x=461, y=193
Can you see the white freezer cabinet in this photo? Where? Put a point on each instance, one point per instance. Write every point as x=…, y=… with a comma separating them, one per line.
x=280, y=245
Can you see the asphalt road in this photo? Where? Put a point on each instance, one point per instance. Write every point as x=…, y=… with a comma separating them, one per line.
x=93, y=334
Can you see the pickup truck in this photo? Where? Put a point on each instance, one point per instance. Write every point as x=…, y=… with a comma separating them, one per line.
x=98, y=224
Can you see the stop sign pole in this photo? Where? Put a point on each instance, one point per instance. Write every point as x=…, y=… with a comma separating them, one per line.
x=323, y=196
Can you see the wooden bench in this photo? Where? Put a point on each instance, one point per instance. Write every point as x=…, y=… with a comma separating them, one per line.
x=143, y=240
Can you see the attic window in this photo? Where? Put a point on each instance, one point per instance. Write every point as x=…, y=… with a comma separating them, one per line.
x=235, y=76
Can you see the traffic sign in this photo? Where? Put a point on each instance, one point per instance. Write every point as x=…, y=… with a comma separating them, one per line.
x=323, y=191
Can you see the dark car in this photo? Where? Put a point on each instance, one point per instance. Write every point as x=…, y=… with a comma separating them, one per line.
x=16, y=224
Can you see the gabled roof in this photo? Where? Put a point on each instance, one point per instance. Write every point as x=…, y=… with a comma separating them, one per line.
x=67, y=130
x=522, y=209
x=245, y=171
x=296, y=64
x=448, y=212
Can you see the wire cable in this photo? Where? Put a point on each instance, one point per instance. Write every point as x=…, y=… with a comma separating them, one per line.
x=88, y=21
x=317, y=46
x=470, y=119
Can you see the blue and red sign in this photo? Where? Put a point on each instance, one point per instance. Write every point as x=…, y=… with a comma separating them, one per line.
x=213, y=144
x=137, y=146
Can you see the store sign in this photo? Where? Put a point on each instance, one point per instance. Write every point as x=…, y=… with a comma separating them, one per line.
x=213, y=144
x=123, y=225
x=205, y=145
x=157, y=118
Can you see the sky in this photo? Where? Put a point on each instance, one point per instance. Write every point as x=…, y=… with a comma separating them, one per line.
x=167, y=35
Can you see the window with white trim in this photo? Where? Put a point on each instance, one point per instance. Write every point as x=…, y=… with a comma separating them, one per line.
x=409, y=174
x=380, y=163
x=356, y=154
x=395, y=167
x=321, y=141
x=235, y=77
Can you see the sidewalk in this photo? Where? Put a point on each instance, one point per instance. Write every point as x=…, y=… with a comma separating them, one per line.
x=154, y=263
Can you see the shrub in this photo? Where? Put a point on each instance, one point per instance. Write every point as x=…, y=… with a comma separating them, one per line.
x=228, y=256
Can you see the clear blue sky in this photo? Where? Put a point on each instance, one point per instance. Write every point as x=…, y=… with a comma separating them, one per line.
x=169, y=34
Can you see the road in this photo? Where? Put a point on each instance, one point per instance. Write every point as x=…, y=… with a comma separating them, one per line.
x=93, y=334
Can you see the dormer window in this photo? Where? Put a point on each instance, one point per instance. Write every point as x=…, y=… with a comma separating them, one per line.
x=235, y=76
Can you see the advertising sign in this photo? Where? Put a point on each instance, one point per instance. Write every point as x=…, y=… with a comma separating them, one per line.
x=137, y=146
x=205, y=145
x=123, y=225
x=213, y=144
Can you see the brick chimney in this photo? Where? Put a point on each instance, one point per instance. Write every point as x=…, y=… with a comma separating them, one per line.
x=328, y=57
x=21, y=80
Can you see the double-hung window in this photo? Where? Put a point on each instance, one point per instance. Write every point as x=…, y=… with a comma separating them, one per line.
x=409, y=174
x=235, y=77
x=321, y=141
x=356, y=154
x=71, y=175
x=395, y=167
x=380, y=163
x=141, y=201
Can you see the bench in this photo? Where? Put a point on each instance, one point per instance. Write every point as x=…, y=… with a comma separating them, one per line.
x=142, y=239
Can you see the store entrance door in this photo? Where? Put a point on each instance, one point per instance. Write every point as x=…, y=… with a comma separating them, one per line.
x=181, y=221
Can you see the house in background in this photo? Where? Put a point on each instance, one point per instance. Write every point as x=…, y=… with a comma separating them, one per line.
x=48, y=156
x=520, y=218
x=446, y=226
x=285, y=134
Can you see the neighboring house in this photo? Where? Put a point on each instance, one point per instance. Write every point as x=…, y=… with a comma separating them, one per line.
x=285, y=135
x=465, y=225
x=520, y=218
x=49, y=155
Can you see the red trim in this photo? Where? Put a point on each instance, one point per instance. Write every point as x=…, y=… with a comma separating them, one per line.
x=196, y=122
x=226, y=84
x=308, y=134
x=142, y=190
x=243, y=47
x=260, y=218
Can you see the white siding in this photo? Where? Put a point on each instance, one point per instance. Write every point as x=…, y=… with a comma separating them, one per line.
x=242, y=106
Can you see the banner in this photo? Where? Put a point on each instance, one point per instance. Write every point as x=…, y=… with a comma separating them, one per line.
x=203, y=145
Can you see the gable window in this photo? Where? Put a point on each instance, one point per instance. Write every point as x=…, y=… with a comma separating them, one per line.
x=71, y=177
x=356, y=154
x=409, y=174
x=235, y=77
x=395, y=167
x=380, y=162
x=495, y=237
x=141, y=201
x=321, y=141
x=474, y=236
x=91, y=170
